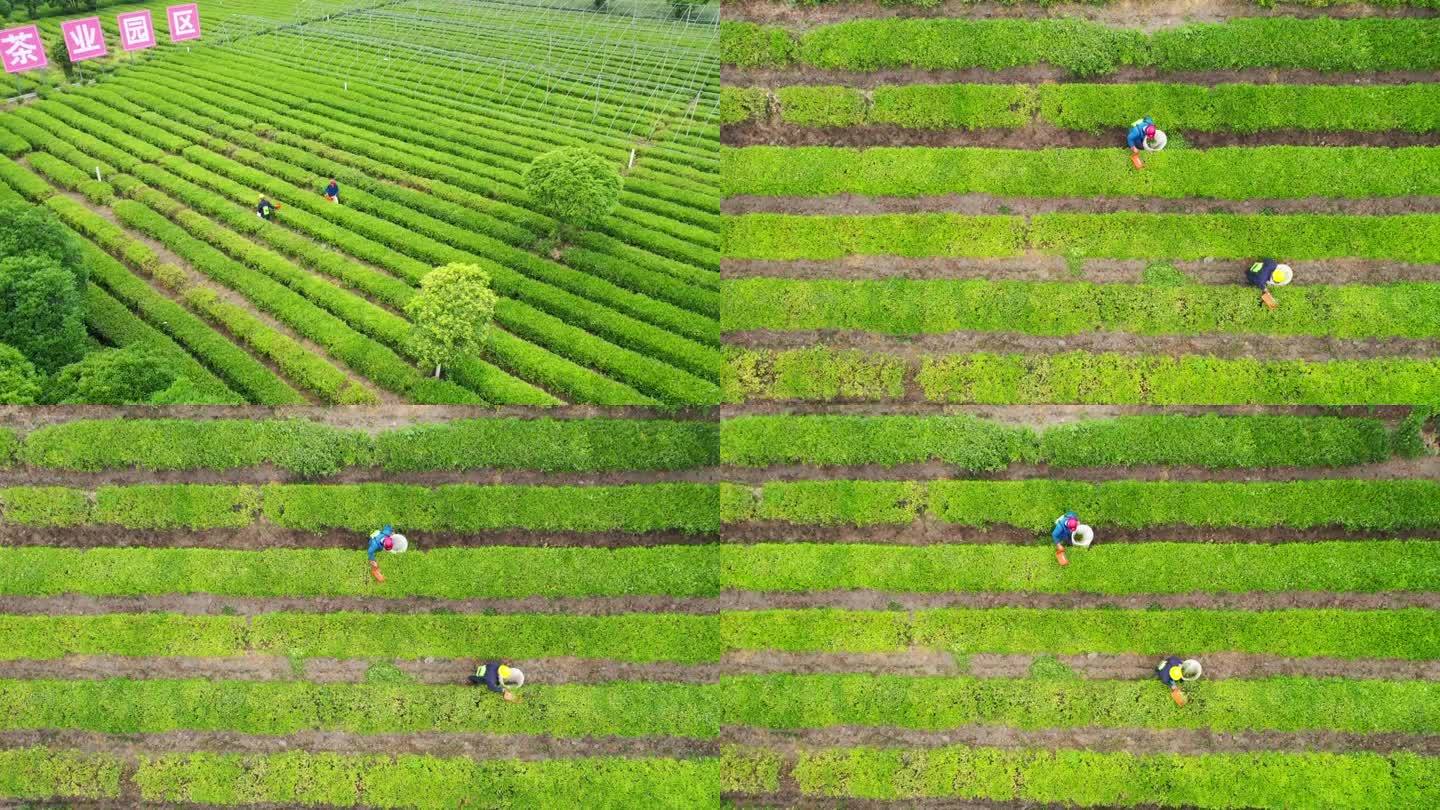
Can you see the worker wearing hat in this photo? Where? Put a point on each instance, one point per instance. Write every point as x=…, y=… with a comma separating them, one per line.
x=497, y=677
x=1268, y=273
x=383, y=539
x=1064, y=534
x=1140, y=131
x=1172, y=672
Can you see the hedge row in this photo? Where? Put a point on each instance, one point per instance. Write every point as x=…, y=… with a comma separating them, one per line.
x=43, y=773
x=971, y=443
x=1357, y=505
x=365, y=507
x=1272, y=780
x=240, y=371
x=426, y=783
x=1405, y=634
x=1085, y=48
x=640, y=637
x=448, y=573
x=824, y=374
x=109, y=320
x=936, y=306
x=1229, y=173
x=1179, y=108
x=626, y=708
x=310, y=449
x=937, y=703
x=1188, y=566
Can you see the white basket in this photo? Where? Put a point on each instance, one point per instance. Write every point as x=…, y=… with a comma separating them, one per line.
x=400, y=543
x=1192, y=669
x=1156, y=143
x=1083, y=536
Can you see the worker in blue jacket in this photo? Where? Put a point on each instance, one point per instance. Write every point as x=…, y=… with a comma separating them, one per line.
x=1268, y=273
x=1135, y=139
x=1064, y=534
x=498, y=677
x=1172, y=673
x=381, y=540
x=332, y=191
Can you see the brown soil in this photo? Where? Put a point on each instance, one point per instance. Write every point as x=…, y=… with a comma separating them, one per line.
x=1147, y=15
x=919, y=662
x=1222, y=345
x=1252, y=601
x=926, y=531
x=1137, y=741
x=1040, y=136
x=437, y=671
x=262, y=535
x=370, y=418
x=472, y=745
x=1043, y=416
x=1427, y=468
x=1036, y=74
x=978, y=204
x=1056, y=268
x=209, y=604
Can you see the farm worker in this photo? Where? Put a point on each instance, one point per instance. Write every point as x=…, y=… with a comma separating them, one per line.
x=1265, y=274
x=1064, y=534
x=332, y=191
x=1139, y=132
x=382, y=539
x=497, y=676
x=266, y=209
x=1172, y=672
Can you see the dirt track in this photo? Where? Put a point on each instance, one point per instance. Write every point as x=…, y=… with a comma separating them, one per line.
x=209, y=604
x=1055, y=268
x=1223, y=345
x=269, y=474
x=920, y=661
x=1040, y=136
x=260, y=534
x=1137, y=741
x=926, y=531
x=1035, y=74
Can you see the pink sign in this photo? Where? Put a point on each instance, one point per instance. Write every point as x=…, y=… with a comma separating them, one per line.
x=84, y=39
x=137, y=30
x=184, y=22
x=21, y=49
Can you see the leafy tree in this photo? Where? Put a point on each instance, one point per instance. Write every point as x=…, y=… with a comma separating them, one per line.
x=184, y=391
x=451, y=313
x=33, y=6
x=41, y=311
x=574, y=185
x=19, y=382
x=28, y=230
x=129, y=376
x=682, y=8
x=60, y=55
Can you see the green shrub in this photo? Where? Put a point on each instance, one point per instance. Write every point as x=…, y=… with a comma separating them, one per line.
x=741, y=104
x=576, y=186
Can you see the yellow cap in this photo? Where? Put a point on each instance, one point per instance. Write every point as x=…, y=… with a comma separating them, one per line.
x=1177, y=674
x=504, y=672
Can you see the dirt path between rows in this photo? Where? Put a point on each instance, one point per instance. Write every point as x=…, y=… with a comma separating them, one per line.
x=733, y=76
x=430, y=670
x=1040, y=267
x=470, y=745
x=1427, y=467
x=1043, y=416
x=871, y=600
x=263, y=535
x=1138, y=741
x=1222, y=345
x=927, y=531
x=1039, y=135
x=989, y=204
x=1146, y=15
x=270, y=474
x=369, y=418
x=215, y=605
x=789, y=797
x=921, y=662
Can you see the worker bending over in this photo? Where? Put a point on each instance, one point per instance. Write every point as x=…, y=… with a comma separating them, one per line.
x=1139, y=132
x=1265, y=274
x=497, y=676
x=332, y=191
x=383, y=539
x=1064, y=534
x=266, y=209
x=1172, y=672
